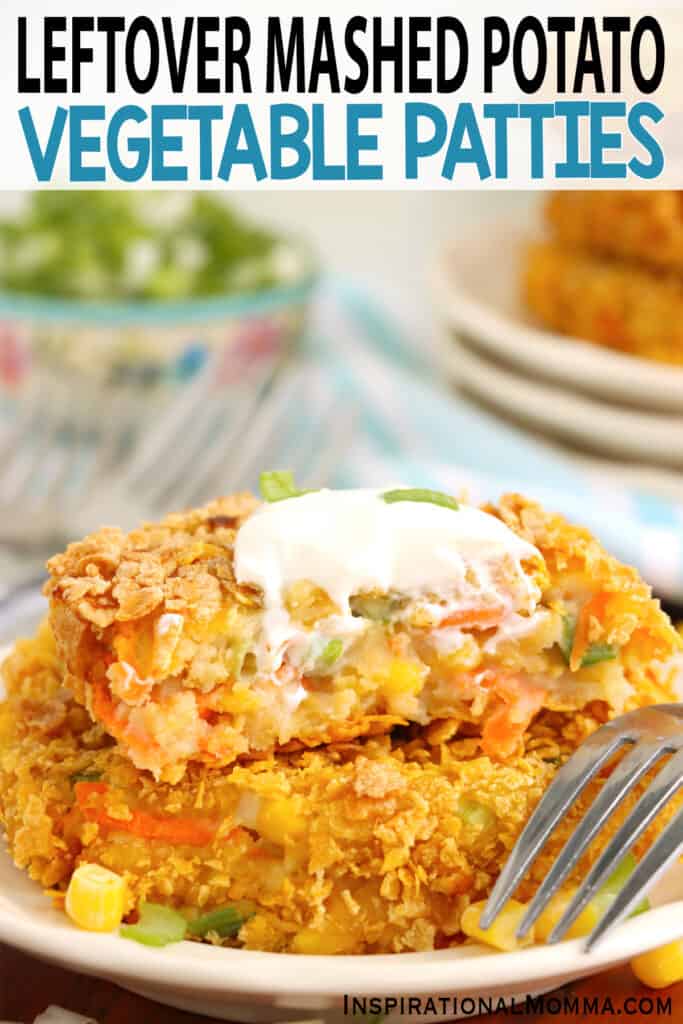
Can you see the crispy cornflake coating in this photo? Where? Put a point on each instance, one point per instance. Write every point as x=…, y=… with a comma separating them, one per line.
x=640, y=227
x=618, y=305
x=365, y=847
x=152, y=630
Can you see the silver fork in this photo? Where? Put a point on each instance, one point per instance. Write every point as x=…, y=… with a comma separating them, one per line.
x=651, y=733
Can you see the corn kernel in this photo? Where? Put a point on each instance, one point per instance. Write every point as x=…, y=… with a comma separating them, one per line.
x=660, y=967
x=95, y=899
x=280, y=820
x=404, y=676
x=331, y=940
x=257, y=932
x=307, y=604
x=467, y=656
x=584, y=924
x=501, y=934
x=238, y=702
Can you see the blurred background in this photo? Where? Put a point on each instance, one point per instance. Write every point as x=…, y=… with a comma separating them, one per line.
x=157, y=349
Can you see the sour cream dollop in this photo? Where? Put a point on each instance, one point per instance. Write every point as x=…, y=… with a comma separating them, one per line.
x=351, y=541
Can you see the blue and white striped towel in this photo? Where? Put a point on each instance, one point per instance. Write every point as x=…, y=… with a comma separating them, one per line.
x=413, y=429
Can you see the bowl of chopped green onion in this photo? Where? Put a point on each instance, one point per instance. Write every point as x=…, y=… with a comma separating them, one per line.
x=111, y=295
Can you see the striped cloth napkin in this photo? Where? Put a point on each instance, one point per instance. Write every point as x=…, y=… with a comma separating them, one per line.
x=412, y=429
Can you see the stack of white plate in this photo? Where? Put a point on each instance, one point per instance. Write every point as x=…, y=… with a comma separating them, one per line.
x=599, y=402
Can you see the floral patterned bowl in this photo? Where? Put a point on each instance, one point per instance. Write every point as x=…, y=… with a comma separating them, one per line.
x=145, y=351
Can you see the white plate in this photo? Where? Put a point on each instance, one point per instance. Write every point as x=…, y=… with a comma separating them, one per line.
x=598, y=426
x=477, y=288
x=241, y=985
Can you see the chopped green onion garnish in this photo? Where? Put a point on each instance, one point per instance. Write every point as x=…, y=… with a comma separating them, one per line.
x=375, y=608
x=85, y=777
x=609, y=890
x=331, y=652
x=238, y=650
x=418, y=494
x=640, y=908
x=157, y=926
x=620, y=876
x=593, y=654
x=278, y=485
x=225, y=922
x=597, y=653
x=566, y=641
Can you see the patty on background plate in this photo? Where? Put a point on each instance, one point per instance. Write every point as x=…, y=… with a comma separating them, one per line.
x=621, y=306
x=640, y=227
x=611, y=271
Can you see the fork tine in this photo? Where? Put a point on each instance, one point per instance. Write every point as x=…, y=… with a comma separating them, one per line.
x=567, y=785
x=658, y=793
x=621, y=781
x=655, y=862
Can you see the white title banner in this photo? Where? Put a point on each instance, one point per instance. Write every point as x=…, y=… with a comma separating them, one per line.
x=430, y=96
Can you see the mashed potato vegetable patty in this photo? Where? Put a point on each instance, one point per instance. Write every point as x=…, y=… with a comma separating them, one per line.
x=239, y=629
x=642, y=228
x=376, y=845
x=619, y=305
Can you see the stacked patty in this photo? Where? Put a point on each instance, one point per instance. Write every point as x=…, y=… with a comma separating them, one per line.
x=611, y=271
x=373, y=817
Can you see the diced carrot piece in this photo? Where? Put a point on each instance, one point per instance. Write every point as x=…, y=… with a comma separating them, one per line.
x=85, y=789
x=505, y=726
x=486, y=618
x=262, y=853
x=127, y=684
x=500, y=733
x=135, y=646
x=104, y=709
x=177, y=831
x=595, y=608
